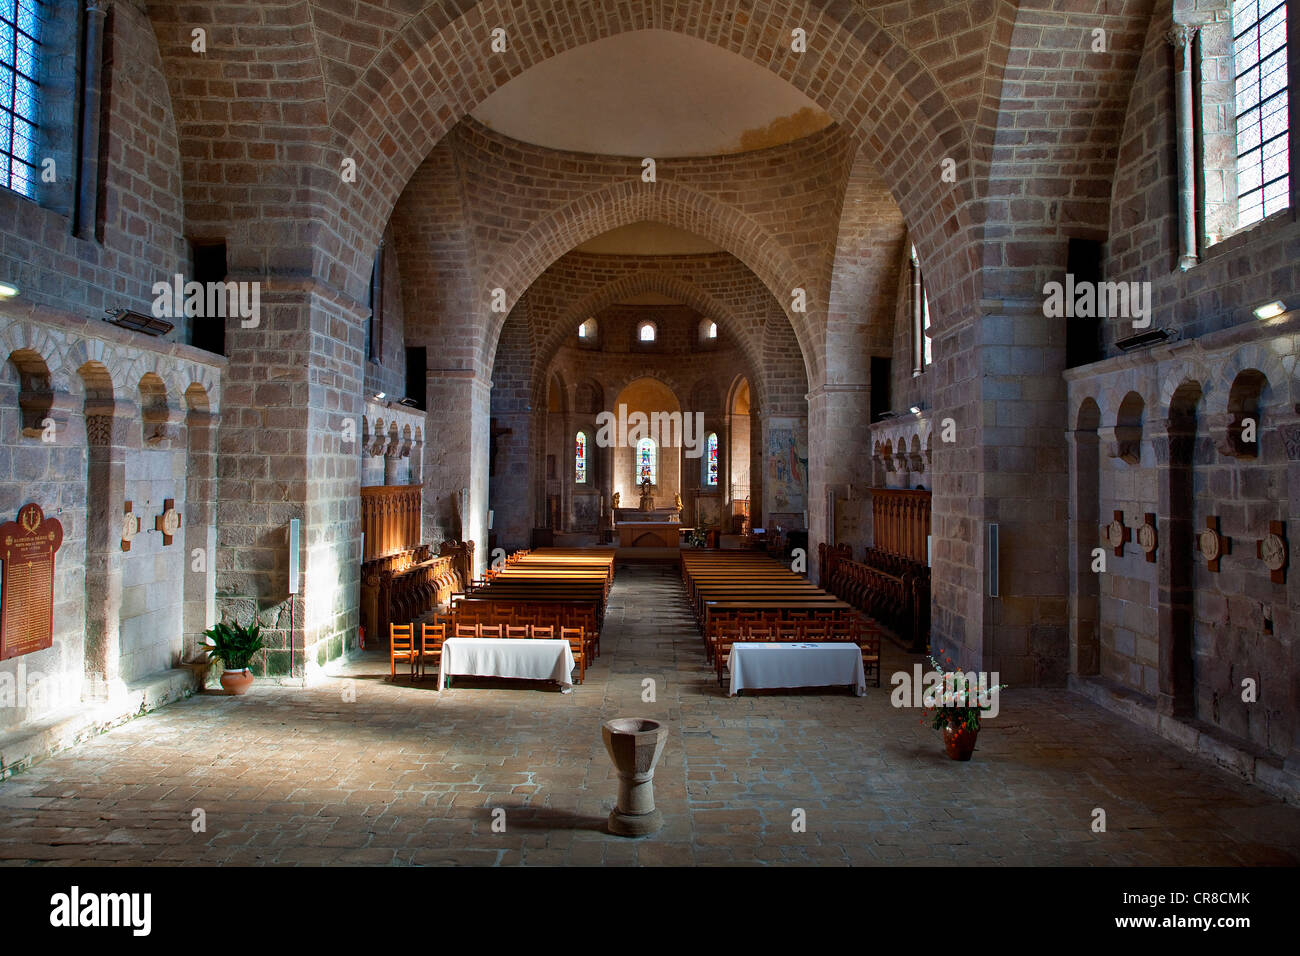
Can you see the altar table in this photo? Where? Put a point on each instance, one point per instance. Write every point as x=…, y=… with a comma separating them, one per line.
x=522, y=658
x=775, y=664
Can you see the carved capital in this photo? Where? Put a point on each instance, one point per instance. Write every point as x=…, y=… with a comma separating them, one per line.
x=99, y=7
x=1291, y=440
x=1182, y=35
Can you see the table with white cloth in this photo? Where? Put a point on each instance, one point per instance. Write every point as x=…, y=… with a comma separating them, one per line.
x=775, y=664
x=523, y=658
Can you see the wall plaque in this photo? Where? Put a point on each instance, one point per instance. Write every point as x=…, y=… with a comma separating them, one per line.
x=1272, y=550
x=168, y=522
x=27, y=549
x=1116, y=534
x=1148, y=539
x=1212, y=544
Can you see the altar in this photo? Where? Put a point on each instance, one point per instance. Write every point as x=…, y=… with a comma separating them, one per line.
x=649, y=533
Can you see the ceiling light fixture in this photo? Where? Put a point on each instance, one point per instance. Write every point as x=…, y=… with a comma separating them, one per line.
x=1270, y=310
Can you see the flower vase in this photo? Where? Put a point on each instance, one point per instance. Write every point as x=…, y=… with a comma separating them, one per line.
x=959, y=741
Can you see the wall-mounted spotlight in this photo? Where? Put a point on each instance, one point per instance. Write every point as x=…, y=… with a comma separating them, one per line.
x=1270, y=310
x=380, y=396
x=7, y=290
x=138, y=322
x=916, y=409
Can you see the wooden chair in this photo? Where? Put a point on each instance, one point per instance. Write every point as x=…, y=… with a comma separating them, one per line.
x=401, y=647
x=576, y=641
x=543, y=632
x=489, y=630
x=867, y=636
x=517, y=631
x=466, y=628
x=431, y=638
x=725, y=637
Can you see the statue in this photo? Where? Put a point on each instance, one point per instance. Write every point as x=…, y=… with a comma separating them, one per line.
x=647, y=496
x=677, y=502
x=616, y=494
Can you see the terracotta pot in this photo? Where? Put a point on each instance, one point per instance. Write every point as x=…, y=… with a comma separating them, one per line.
x=960, y=744
x=237, y=682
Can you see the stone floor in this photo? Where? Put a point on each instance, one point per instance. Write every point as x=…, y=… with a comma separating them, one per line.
x=361, y=771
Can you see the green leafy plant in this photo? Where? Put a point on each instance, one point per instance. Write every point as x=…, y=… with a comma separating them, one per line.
x=232, y=644
x=696, y=538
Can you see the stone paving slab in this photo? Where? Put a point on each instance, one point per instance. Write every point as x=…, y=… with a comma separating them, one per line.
x=406, y=775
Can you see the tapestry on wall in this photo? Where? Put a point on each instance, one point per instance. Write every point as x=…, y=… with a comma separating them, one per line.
x=787, y=469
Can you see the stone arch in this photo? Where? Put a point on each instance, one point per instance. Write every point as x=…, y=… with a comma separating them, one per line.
x=389, y=114
x=1129, y=420
x=1282, y=387
x=649, y=281
x=153, y=407
x=196, y=397
x=632, y=201
x=1087, y=417
x=1248, y=396
x=35, y=390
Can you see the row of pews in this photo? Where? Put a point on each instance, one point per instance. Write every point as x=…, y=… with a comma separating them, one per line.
x=544, y=593
x=409, y=585
x=890, y=588
x=747, y=596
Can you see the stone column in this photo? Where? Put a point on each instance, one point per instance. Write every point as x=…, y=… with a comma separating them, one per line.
x=1285, y=619
x=393, y=457
x=92, y=58
x=1085, y=640
x=1183, y=38
x=1174, y=443
x=108, y=432
x=456, y=455
x=200, y=527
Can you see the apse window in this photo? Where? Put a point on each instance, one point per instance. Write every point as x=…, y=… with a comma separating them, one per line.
x=1259, y=51
x=20, y=51
x=587, y=331
x=646, y=461
x=711, y=462
x=646, y=332
x=580, y=459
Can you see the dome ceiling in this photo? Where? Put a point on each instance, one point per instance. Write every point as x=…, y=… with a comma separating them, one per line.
x=650, y=93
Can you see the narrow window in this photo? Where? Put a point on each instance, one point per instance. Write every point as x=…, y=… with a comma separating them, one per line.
x=580, y=459
x=20, y=51
x=646, y=461
x=1259, y=53
x=711, y=461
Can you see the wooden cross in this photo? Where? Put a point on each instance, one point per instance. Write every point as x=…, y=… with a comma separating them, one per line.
x=168, y=522
x=1122, y=537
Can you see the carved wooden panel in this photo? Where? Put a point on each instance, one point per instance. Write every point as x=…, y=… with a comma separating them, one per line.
x=27, y=549
x=390, y=519
x=901, y=521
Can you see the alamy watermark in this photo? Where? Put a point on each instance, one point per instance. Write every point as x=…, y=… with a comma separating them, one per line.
x=1098, y=300
x=209, y=300
x=665, y=429
x=935, y=689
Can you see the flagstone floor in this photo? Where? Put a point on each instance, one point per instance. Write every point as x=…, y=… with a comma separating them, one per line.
x=361, y=771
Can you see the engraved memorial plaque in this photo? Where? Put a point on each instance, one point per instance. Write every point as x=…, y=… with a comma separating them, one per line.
x=27, y=549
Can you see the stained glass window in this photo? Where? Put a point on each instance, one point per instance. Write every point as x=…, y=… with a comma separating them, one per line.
x=711, y=461
x=580, y=459
x=646, y=461
x=1260, y=87
x=20, y=31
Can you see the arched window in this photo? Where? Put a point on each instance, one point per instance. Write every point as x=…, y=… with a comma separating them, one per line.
x=1259, y=51
x=580, y=459
x=921, y=347
x=645, y=331
x=20, y=53
x=587, y=331
x=708, y=332
x=711, y=461
x=647, y=461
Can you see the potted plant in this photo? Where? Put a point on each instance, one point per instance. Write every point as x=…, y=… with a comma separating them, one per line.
x=696, y=538
x=954, y=705
x=234, y=645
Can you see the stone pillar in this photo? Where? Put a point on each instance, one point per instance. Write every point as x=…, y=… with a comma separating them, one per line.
x=283, y=456
x=200, y=527
x=1285, y=618
x=839, y=441
x=456, y=456
x=1174, y=444
x=393, y=458
x=1085, y=520
x=92, y=58
x=1183, y=38
x=108, y=432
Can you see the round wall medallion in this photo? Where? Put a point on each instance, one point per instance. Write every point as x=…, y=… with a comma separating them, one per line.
x=1273, y=551
x=1207, y=541
x=130, y=526
x=1115, y=533
x=1147, y=538
x=171, y=521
